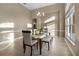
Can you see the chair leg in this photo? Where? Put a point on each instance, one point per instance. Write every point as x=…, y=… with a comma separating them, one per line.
x=48, y=46
x=24, y=47
x=31, y=51
x=37, y=46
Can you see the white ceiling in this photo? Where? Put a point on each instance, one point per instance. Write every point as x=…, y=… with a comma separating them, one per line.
x=32, y=6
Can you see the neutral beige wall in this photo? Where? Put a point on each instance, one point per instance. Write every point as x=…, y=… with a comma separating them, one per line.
x=15, y=13
x=77, y=20
x=57, y=10
x=19, y=16
x=77, y=26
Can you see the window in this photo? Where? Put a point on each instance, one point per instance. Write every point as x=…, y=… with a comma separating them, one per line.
x=29, y=25
x=51, y=29
x=50, y=19
x=69, y=26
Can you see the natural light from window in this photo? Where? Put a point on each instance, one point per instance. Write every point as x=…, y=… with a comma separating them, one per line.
x=7, y=30
x=7, y=35
x=29, y=25
x=6, y=25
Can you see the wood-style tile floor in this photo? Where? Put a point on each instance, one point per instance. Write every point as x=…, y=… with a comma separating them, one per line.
x=58, y=47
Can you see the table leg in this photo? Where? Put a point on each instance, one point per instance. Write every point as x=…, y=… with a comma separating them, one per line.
x=40, y=46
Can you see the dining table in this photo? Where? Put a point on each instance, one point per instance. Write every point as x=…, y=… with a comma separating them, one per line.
x=39, y=37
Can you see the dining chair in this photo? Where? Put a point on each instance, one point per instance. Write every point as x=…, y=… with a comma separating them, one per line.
x=47, y=39
x=27, y=40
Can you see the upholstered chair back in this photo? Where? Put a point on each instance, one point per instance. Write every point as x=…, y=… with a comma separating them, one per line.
x=27, y=37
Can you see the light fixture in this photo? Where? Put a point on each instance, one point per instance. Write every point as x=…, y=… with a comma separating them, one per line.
x=43, y=13
x=40, y=14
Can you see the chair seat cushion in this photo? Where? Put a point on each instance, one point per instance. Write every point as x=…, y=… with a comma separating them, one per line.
x=46, y=39
x=34, y=42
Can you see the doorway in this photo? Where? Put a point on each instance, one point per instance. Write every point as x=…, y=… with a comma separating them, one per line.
x=51, y=29
x=50, y=24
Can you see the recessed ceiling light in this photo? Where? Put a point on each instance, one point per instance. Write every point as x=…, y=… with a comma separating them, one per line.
x=24, y=3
